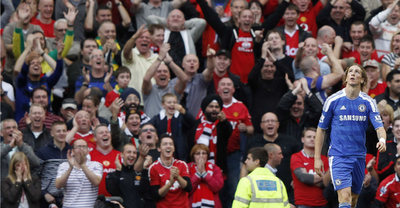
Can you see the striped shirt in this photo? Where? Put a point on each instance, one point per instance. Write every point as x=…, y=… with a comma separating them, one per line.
x=389, y=59
x=79, y=192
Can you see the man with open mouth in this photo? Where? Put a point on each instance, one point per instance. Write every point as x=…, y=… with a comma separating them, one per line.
x=170, y=183
x=383, y=26
x=389, y=60
x=105, y=154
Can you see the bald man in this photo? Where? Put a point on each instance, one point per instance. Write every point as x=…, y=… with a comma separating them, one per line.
x=269, y=125
x=107, y=42
x=196, y=88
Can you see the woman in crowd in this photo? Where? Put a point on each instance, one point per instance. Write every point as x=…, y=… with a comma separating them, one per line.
x=206, y=179
x=19, y=188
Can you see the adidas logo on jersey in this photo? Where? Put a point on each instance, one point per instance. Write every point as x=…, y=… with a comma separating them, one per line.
x=343, y=108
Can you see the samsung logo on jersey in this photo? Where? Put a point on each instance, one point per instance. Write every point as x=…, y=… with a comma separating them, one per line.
x=352, y=118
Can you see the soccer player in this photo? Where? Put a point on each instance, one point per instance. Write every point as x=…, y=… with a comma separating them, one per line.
x=346, y=112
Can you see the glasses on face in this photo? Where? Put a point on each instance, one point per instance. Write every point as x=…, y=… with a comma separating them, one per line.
x=61, y=30
x=200, y=153
x=81, y=147
x=146, y=130
x=269, y=121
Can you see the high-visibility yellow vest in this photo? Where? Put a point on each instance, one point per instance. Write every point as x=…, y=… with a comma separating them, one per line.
x=261, y=189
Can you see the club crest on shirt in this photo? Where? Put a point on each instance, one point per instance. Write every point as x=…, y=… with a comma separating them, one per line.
x=362, y=108
x=236, y=114
x=338, y=182
x=106, y=163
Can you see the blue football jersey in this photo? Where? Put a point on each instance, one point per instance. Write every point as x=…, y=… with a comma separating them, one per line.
x=349, y=121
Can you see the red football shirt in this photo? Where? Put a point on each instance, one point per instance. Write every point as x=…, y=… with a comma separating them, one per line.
x=292, y=43
x=108, y=162
x=307, y=19
x=88, y=138
x=304, y=194
x=48, y=29
x=110, y=97
x=242, y=55
x=379, y=89
x=217, y=78
x=236, y=113
x=160, y=174
x=388, y=190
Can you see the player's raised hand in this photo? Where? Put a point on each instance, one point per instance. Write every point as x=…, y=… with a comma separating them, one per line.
x=318, y=167
x=381, y=146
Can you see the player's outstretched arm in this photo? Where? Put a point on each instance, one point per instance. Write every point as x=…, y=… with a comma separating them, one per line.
x=381, y=145
x=319, y=140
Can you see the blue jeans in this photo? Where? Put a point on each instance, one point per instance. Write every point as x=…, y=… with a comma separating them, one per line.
x=227, y=192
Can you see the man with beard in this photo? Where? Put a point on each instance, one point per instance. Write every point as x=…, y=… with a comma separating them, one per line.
x=13, y=142
x=108, y=43
x=213, y=130
x=333, y=15
x=131, y=100
x=81, y=130
x=152, y=94
x=391, y=60
x=130, y=134
x=39, y=95
x=105, y=154
x=383, y=26
x=36, y=135
x=125, y=181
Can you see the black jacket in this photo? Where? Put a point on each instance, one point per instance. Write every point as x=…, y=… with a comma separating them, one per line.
x=126, y=183
x=12, y=193
x=385, y=96
x=324, y=18
x=180, y=124
x=43, y=139
x=266, y=93
x=288, y=124
x=224, y=131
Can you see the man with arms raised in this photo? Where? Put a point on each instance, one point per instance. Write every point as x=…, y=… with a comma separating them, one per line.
x=347, y=112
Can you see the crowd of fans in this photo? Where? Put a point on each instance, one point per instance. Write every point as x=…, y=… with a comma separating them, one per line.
x=170, y=103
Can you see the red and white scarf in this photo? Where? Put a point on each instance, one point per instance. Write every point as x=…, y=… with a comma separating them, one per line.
x=203, y=196
x=206, y=133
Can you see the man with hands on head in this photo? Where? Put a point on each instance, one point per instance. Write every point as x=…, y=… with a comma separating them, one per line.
x=152, y=94
x=13, y=142
x=126, y=181
x=80, y=177
x=267, y=83
x=298, y=109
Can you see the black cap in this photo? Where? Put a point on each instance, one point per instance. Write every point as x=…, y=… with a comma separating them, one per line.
x=224, y=52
